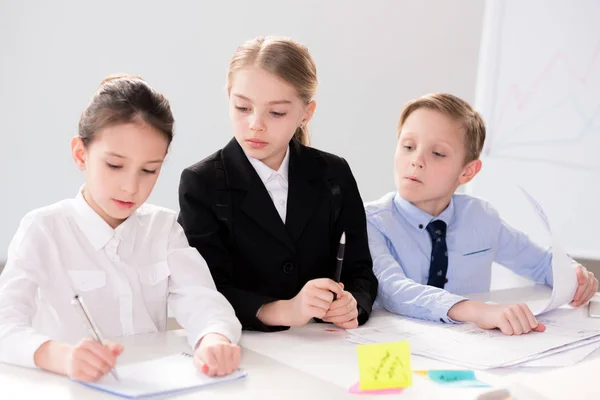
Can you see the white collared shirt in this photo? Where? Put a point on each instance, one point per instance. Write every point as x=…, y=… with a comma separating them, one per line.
x=127, y=277
x=276, y=182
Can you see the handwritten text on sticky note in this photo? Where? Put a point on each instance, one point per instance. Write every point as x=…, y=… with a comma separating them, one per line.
x=456, y=378
x=384, y=365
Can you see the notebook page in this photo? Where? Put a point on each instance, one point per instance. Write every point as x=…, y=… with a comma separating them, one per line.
x=159, y=376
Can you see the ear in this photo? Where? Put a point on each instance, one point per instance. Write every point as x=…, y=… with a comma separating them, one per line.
x=78, y=152
x=309, y=111
x=469, y=171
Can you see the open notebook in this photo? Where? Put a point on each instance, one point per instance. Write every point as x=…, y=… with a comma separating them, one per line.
x=158, y=377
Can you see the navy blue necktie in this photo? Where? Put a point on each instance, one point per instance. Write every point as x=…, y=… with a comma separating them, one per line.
x=439, y=254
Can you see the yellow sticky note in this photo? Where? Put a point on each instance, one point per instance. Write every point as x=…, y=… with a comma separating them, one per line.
x=384, y=365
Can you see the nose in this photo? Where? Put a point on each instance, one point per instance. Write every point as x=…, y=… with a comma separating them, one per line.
x=418, y=160
x=130, y=184
x=257, y=124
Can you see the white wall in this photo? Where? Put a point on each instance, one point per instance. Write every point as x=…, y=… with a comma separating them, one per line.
x=372, y=57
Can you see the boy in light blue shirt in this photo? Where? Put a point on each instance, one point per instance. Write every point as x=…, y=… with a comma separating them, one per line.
x=430, y=245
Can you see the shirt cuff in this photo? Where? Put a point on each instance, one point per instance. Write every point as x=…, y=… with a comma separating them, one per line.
x=258, y=311
x=445, y=303
x=23, y=353
x=233, y=335
x=256, y=324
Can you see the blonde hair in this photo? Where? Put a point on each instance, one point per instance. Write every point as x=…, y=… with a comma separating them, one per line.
x=457, y=109
x=286, y=59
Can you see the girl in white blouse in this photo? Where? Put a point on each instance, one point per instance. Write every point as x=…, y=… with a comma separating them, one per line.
x=126, y=259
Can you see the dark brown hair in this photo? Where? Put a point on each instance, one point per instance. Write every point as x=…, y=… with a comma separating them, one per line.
x=123, y=99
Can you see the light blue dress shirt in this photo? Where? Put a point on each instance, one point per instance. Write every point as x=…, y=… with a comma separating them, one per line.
x=476, y=236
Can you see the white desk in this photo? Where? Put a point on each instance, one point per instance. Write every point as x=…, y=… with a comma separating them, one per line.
x=337, y=362
x=267, y=379
x=302, y=363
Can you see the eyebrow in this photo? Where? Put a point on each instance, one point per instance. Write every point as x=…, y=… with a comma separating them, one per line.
x=270, y=102
x=443, y=141
x=113, y=154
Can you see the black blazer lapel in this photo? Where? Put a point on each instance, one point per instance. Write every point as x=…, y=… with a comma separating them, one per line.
x=257, y=203
x=303, y=195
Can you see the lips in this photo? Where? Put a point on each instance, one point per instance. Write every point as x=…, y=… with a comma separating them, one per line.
x=413, y=179
x=256, y=143
x=124, y=204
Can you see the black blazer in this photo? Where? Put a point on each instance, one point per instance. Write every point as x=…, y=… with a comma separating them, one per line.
x=253, y=256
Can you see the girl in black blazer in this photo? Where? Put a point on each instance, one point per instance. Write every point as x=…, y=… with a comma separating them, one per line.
x=267, y=211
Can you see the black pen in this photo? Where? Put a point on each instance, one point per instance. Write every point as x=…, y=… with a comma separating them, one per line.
x=339, y=261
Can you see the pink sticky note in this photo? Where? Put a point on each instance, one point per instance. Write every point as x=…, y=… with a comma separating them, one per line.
x=355, y=389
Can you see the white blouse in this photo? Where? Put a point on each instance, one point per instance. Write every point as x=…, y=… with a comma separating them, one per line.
x=276, y=182
x=126, y=276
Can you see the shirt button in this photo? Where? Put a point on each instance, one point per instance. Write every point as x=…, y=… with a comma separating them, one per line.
x=282, y=202
x=288, y=268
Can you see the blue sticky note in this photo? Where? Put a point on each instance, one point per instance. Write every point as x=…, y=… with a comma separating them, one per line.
x=456, y=378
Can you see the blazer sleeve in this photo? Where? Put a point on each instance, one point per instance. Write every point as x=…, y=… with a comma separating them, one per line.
x=357, y=270
x=206, y=234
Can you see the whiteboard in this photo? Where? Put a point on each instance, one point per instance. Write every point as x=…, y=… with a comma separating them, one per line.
x=538, y=89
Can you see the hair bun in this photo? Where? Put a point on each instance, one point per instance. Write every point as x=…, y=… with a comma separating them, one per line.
x=114, y=77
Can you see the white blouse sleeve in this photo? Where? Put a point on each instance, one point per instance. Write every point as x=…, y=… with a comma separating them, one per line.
x=19, y=283
x=193, y=297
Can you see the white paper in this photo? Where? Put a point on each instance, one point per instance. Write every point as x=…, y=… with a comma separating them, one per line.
x=564, y=358
x=159, y=376
x=563, y=273
x=538, y=208
x=470, y=346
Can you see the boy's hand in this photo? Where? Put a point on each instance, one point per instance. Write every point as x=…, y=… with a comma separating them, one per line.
x=89, y=360
x=511, y=319
x=587, y=286
x=216, y=355
x=343, y=311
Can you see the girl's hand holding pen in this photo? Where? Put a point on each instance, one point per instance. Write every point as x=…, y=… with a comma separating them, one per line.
x=343, y=312
x=313, y=301
x=89, y=360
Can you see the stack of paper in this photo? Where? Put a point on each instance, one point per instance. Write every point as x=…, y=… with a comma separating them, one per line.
x=472, y=347
x=564, y=358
